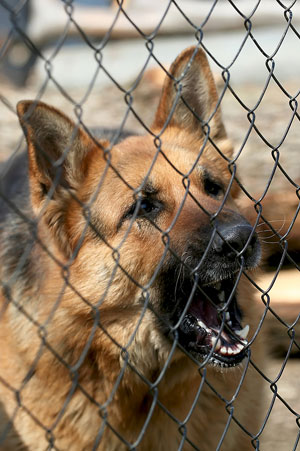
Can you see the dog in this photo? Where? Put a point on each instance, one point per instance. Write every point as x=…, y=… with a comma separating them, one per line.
x=127, y=318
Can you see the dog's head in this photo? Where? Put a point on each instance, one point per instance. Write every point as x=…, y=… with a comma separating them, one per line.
x=149, y=222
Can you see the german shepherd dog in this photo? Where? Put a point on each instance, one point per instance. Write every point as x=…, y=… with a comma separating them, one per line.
x=126, y=311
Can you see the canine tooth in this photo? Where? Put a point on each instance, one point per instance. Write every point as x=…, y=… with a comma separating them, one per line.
x=244, y=332
x=239, y=346
x=229, y=323
x=227, y=316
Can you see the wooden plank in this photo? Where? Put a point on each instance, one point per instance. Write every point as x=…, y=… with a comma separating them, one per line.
x=285, y=302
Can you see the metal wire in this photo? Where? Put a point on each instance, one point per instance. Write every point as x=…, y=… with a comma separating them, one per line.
x=17, y=32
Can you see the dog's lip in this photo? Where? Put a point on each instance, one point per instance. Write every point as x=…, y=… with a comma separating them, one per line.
x=213, y=330
x=227, y=348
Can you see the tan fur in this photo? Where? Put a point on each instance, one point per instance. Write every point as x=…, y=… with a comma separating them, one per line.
x=100, y=376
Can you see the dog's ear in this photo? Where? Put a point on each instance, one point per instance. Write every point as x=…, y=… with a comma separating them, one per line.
x=59, y=154
x=190, y=75
x=56, y=148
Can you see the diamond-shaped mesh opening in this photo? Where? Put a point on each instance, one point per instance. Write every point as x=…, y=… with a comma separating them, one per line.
x=149, y=261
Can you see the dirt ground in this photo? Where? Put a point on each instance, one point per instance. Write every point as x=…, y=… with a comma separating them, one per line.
x=106, y=108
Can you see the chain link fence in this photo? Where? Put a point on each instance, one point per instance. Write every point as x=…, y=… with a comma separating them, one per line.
x=133, y=314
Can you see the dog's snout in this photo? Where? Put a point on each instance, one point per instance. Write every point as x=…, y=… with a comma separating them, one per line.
x=231, y=240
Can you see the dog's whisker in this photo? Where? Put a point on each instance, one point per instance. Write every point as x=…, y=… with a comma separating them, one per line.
x=262, y=232
x=274, y=242
x=181, y=272
x=270, y=222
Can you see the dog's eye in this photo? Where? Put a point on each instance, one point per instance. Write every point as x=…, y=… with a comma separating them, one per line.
x=147, y=208
x=213, y=188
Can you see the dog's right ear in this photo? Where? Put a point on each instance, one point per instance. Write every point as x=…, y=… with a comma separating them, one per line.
x=198, y=100
x=57, y=149
x=59, y=156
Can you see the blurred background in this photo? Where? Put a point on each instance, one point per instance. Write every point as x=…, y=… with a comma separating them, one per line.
x=100, y=60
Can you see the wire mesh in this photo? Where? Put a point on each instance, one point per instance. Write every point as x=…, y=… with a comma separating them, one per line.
x=122, y=273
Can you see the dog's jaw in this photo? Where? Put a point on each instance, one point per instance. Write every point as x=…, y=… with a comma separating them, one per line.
x=211, y=329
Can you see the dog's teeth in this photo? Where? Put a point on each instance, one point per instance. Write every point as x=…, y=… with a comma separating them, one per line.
x=221, y=296
x=244, y=332
x=239, y=346
x=201, y=324
x=216, y=343
x=224, y=336
x=229, y=323
x=228, y=349
x=227, y=316
x=231, y=350
x=204, y=326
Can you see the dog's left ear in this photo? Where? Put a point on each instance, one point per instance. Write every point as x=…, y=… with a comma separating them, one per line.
x=197, y=103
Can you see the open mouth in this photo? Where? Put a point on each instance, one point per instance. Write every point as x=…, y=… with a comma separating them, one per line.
x=211, y=328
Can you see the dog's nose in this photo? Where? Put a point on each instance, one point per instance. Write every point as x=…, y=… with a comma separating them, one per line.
x=233, y=239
